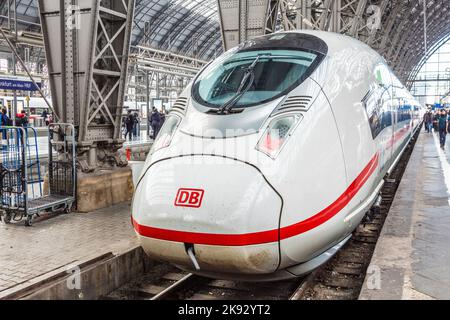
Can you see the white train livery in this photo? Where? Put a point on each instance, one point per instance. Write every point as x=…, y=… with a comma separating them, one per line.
x=272, y=156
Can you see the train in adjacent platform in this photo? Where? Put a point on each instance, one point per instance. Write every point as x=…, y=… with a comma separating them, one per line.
x=272, y=157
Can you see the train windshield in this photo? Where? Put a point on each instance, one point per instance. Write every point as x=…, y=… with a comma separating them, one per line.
x=246, y=79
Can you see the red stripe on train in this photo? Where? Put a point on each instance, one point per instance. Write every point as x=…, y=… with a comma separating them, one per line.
x=264, y=236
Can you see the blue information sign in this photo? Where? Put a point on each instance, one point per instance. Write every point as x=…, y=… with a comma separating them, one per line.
x=18, y=85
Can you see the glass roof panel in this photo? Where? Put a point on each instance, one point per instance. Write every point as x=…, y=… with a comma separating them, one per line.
x=172, y=22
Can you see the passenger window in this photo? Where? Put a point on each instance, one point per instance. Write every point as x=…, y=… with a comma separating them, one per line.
x=378, y=107
x=403, y=104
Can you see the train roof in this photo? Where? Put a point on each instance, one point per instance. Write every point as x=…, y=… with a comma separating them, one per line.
x=326, y=43
x=288, y=41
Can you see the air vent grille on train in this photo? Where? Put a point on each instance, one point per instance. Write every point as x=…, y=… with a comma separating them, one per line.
x=296, y=103
x=180, y=105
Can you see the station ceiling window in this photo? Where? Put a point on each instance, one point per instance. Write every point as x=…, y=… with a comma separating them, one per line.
x=432, y=84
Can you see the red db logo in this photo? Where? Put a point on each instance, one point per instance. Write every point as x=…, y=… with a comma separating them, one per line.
x=190, y=198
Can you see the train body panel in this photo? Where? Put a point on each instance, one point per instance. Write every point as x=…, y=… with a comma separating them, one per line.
x=232, y=212
x=267, y=184
x=229, y=205
x=347, y=76
x=257, y=260
x=310, y=152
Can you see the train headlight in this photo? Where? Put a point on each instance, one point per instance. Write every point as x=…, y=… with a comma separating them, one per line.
x=277, y=134
x=167, y=132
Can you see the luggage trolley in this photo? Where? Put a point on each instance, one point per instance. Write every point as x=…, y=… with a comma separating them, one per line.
x=21, y=182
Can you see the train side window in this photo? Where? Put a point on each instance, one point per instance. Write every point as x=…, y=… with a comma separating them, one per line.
x=403, y=104
x=404, y=113
x=373, y=112
x=378, y=110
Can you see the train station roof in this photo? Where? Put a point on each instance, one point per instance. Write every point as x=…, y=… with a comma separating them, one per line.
x=191, y=27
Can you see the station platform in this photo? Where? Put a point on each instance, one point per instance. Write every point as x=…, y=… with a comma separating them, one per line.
x=60, y=241
x=412, y=256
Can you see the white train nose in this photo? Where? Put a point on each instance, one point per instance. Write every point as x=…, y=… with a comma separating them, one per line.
x=225, y=208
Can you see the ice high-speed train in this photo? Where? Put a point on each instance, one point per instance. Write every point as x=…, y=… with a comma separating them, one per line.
x=272, y=157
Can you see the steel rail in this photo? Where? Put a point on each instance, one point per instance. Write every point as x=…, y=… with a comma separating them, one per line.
x=166, y=292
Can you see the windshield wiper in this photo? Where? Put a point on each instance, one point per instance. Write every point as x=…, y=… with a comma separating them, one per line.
x=243, y=88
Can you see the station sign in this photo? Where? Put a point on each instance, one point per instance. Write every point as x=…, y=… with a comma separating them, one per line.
x=17, y=84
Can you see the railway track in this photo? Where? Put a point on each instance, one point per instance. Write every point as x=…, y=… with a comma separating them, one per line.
x=340, y=279
x=174, y=284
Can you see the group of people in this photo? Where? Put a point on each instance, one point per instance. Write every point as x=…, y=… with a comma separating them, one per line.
x=439, y=121
x=132, y=123
x=21, y=119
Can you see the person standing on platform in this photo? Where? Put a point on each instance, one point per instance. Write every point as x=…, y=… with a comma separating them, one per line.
x=442, y=127
x=22, y=119
x=45, y=117
x=155, y=121
x=136, y=125
x=5, y=121
x=163, y=117
x=129, y=124
x=435, y=121
x=428, y=120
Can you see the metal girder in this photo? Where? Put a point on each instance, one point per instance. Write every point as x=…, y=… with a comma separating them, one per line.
x=147, y=7
x=350, y=17
x=374, y=31
x=22, y=63
x=406, y=52
x=394, y=28
x=407, y=67
x=87, y=46
x=163, y=82
x=213, y=38
x=407, y=34
x=191, y=43
x=410, y=54
x=167, y=60
x=199, y=26
x=163, y=17
x=398, y=37
x=162, y=70
x=242, y=20
x=191, y=17
x=26, y=38
x=388, y=27
x=413, y=63
x=310, y=14
x=416, y=68
x=357, y=20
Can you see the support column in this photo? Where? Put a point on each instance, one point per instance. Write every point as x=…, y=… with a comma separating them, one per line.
x=87, y=44
x=87, y=47
x=147, y=77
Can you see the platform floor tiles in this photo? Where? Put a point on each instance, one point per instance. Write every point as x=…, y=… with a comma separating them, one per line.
x=26, y=253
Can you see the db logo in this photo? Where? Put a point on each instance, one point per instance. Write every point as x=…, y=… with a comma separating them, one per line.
x=190, y=198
